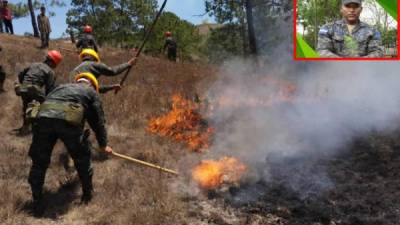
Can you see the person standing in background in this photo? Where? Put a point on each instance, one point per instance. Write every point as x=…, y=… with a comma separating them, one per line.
x=171, y=46
x=1, y=17
x=44, y=27
x=6, y=14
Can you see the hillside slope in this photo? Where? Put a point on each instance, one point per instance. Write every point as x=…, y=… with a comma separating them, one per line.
x=125, y=193
x=364, y=188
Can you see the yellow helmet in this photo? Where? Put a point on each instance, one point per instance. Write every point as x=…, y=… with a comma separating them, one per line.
x=89, y=52
x=89, y=77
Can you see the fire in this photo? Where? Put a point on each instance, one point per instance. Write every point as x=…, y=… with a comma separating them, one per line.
x=212, y=174
x=183, y=123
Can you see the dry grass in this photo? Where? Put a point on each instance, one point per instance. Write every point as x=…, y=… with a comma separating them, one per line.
x=125, y=193
x=366, y=180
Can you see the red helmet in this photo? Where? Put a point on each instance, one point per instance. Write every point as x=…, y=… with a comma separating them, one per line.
x=55, y=56
x=168, y=34
x=87, y=29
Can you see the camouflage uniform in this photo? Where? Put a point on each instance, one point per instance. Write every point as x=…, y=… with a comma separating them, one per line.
x=98, y=69
x=334, y=40
x=52, y=124
x=45, y=29
x=87, y=41
x=32, y=80
x=171, y=46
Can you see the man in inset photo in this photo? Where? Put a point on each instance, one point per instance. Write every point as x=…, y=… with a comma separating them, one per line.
x=349, y=37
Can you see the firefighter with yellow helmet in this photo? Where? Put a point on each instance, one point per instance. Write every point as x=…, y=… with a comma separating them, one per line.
x=62, y=116
x=90, y=62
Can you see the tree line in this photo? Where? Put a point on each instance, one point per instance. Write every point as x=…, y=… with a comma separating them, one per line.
x=246, y=26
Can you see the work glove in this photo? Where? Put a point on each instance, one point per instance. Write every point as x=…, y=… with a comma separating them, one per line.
x=116, y=88
x=107, y=149
x=132, y=61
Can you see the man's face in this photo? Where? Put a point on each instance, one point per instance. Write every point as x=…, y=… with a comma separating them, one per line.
x=351, y=12
x=43, y=11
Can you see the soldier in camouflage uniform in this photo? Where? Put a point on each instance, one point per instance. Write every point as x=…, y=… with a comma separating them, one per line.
x=2, y=77
x=33, y=80
x=171, y=46
x=62, y=116
x=87, y=40
x=91, y=63
x=349, y=37
x=44, y=27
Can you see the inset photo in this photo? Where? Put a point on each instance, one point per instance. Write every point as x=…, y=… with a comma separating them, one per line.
x=346, y=30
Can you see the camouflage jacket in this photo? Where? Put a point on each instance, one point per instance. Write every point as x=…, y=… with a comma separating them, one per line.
x=43, y=24
x=170, y=43
x=334, y=40
x=87, y=41
x=39, y=74
x=85, y=96
x=98, y=69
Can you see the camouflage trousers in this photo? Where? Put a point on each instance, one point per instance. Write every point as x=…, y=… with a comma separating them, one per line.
x=172, y=54
x=46, y=132
x=44, y=37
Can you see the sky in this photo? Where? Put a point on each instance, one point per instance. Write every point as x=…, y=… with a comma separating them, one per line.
x=185, y=9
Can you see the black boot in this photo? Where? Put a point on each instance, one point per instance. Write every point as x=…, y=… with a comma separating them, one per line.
x=38, y=208
x=86, y=197
x=24, y=130
x=87, y=188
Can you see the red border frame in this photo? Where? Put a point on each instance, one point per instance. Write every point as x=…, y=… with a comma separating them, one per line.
x=341, y=59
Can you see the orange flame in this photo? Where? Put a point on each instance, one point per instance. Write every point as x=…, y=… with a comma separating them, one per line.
x=183, y=123
x=212, y=174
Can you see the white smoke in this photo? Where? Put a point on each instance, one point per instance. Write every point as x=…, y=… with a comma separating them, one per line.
x=334, y=102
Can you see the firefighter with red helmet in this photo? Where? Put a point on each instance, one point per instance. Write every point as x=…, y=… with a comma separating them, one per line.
x=87, y=40
x=171, y=46
x=35, y=82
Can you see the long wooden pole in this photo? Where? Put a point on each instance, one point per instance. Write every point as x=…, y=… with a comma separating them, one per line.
x=144, y=163
x=144, y=41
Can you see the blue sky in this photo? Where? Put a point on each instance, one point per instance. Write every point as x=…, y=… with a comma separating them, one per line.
x=185, y=9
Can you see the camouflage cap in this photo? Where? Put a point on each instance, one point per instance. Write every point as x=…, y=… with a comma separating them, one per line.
x=345, y=2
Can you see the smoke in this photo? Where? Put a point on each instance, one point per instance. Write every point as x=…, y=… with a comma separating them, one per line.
x=285, y=117
x=284, y=139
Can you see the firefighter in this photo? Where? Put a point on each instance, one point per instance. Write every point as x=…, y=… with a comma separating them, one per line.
x=171, y=46
x=87, y=40
x=62, y=116
x=2, y=77
x=91, y=63
x=35, y=82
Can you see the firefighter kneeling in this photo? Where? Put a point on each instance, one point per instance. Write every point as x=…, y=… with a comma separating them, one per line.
x=62, y=116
